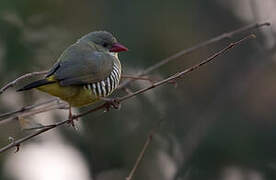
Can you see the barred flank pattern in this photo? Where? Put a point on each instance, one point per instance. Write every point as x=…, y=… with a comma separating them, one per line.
x=106, y=86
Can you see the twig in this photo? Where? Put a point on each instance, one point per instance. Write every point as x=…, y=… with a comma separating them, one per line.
x=25, y=108
x=33, y=109
x=12, y=83
x=20, y=141
x=164, y=61
x=47, y=128
x=141, y=156
x=135, y=77
x=180, y=74
x=198, y=46
x=165, y=81
x=173, y=78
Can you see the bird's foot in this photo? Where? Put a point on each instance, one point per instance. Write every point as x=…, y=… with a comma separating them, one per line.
x=111, y=103
x=71, y=119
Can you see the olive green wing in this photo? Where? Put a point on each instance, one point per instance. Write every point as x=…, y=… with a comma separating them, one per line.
x=80, y=64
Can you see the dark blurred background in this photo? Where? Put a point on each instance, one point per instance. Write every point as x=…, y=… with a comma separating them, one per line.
x=218, y=123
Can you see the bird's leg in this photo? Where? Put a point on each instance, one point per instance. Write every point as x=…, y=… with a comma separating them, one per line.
x=111, y=102
x=71, y=117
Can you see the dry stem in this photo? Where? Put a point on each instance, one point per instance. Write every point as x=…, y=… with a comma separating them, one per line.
x=157, y=84
x=198, y=46
x=12, y=83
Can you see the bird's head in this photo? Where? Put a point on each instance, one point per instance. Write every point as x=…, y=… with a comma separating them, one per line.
x=106, y=41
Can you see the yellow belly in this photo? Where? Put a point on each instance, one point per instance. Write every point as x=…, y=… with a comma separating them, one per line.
x=75, y=95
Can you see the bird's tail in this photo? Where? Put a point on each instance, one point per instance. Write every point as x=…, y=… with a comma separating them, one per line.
x=36, y=84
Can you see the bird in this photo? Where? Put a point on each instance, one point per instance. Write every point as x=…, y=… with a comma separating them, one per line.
x=85, y=72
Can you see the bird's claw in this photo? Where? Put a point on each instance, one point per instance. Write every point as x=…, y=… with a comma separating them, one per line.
x=71, y=120
x=111, y=103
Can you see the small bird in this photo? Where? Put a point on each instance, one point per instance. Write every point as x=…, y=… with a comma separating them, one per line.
x=86, y=71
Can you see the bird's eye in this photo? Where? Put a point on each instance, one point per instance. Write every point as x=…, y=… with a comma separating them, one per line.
x=105, y=44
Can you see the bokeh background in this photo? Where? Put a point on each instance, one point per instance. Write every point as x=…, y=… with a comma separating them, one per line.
x=218, y=123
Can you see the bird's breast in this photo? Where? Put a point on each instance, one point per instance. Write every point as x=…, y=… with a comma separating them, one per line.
x=108, y=85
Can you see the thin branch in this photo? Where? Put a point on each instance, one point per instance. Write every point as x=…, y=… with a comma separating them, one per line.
x=128, y=76
x=25, y=108
x=135, y=77
x=45, y=129
x=11, y=84
x=33, y=109
x=19, y=141
x=141, y=156
x=164, y=61
x=198, y=46
x=149, y=138
x=157, y=84
x=143, y=151
x=180, y=74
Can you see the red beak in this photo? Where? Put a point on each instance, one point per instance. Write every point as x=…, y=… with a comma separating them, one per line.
x=117, y=47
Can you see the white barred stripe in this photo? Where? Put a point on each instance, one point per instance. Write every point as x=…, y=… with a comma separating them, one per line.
x=116, y=74
x=99, y=88
x=117, y=78
x=108, y=85
x=112, y=82
x=115, y=65
x=103, y=88
x=116, y=69
x=113, y=75
x=94, y=88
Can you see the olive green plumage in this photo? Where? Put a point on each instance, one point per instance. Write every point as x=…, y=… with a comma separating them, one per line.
x=85, y=71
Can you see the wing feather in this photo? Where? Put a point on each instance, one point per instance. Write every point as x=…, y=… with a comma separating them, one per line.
x=82, y=64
